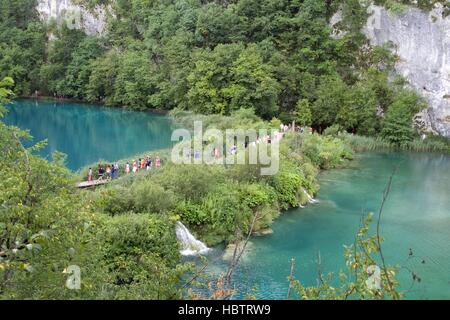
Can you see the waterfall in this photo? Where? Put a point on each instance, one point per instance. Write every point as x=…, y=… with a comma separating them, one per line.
x=191, y=246
x=310, y=199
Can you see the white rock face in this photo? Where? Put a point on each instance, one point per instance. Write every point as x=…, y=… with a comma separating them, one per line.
x=93, y=22
x=422, y=41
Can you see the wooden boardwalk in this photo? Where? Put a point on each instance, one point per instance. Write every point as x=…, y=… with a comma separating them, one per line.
x=91, y=184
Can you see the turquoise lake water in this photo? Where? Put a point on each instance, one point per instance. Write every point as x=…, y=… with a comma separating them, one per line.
x=88, y=133
x=416, y=216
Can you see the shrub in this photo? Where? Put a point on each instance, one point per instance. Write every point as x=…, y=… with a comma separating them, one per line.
x=151, y=197
x=114, y=201
x=334, y=130
x=192, y=213
x=189, y=181
x=326, y=152
x=289, y=187
x=142, y=253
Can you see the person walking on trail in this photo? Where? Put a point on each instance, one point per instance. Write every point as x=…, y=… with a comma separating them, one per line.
x=113, y=171
x=101, y=172
x=135, y=167
x=216, y=153
x=127, y=168
x=108, y=171
x=158, y=162
x=233, y=150
x=90, y=175
x=149, y=163
x=143, y=164
x=116, y=170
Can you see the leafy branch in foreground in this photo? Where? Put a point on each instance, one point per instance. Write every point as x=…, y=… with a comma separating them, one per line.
x=365, y=279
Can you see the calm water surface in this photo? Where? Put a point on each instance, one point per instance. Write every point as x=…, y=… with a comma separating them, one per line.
x=88, y=133
x=416, y=216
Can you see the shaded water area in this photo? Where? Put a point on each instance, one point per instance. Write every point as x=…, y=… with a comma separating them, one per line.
x=88, y=133
x=416, y=216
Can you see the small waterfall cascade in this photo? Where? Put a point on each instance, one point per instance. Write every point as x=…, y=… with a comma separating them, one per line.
x=310, y=199
x=191, y=246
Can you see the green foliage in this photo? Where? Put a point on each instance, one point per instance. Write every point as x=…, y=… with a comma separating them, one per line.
x=303, y=113
x=363, y=143
x=214, y=200
x=114, y=201
x=150, y=197
x=191, y=181
x=22, y=44
x=334, y=130
x=332, y=96
x=325, y=151
x=232, y=77
x=59, y=55
x=142, y=254
x=397, y=125
x=289, y=187
x=43, y=225
x=79, y=70
x=5, y=92
x=46, y=225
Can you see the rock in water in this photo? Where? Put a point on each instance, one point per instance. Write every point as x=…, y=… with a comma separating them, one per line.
x=229, y=251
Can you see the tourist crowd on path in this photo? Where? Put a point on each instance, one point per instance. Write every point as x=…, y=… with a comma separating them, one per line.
x=286, y=128
x=111, y=171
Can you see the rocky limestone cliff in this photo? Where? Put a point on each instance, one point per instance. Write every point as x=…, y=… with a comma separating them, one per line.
x=93, y=22
x=422, y=42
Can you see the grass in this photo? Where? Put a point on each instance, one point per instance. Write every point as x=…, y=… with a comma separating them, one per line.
x=362, y=143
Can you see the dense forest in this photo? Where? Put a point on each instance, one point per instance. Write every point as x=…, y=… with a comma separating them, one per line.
x=214, y=57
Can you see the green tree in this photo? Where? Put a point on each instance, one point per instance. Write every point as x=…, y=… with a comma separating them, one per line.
x=78, y=71
x=232, y=77
x=43, y=226
x=22, y=44
x=58, y=58
x=397, y=125
x=332, y=96
x=303, y=114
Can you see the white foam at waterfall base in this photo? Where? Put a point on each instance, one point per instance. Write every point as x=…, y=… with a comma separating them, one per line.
x=310, y=199
x=191, y=246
